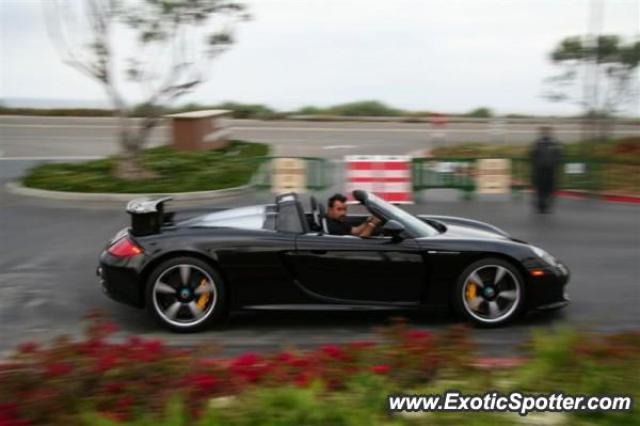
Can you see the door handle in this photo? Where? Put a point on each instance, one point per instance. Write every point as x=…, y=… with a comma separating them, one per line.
x=319, y=251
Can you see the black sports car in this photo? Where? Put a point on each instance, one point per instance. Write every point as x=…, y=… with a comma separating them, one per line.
x=189, y=272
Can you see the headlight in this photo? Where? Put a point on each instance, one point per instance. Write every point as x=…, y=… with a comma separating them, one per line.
x=544, y=256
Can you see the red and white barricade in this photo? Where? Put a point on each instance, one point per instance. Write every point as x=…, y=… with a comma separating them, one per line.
x=388, y=176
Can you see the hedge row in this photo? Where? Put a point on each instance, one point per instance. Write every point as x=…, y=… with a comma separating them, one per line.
x=99, y=380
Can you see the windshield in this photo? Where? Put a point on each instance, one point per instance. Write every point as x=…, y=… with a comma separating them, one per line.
x=412, y=224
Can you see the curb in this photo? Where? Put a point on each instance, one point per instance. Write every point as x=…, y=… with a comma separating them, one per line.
x=18, y=189
x=604, y=196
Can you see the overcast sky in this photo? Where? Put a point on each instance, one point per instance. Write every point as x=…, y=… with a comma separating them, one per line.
x=445, y=55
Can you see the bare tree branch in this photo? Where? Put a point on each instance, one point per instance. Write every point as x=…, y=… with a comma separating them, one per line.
x=177, y=40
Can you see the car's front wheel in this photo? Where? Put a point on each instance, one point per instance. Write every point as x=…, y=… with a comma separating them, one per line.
x=185, y=294
x=489, y=292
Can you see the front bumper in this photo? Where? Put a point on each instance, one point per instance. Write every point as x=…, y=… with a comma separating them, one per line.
x=555, y=305
x=548, y=292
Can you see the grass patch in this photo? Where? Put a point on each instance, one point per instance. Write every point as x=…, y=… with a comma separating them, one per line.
x=618, y=149
x=176, y=171
x=367, y=108
x=616, y=163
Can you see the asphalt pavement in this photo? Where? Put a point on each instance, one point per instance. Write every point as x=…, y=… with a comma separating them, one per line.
x=64, y=137
x=50, y=248
x=50, y=251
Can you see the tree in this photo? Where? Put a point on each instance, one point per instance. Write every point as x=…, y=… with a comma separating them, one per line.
x=482, y=112
x=605, y=66
x=175, y=41
x=364, y=109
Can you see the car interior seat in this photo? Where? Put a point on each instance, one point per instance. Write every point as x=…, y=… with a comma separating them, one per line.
x=323, y=219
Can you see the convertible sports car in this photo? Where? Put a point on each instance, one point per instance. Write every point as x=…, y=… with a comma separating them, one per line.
x=190, y=271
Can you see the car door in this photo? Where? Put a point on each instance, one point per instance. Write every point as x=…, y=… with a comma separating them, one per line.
x=348, y=269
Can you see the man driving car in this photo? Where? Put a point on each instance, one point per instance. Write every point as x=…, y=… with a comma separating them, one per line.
x=337, y=215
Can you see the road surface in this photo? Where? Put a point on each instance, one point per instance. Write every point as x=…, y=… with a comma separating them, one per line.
x=45, y=137
x=50, y=251
x=50, y=248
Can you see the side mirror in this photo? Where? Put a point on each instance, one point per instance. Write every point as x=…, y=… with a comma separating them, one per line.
x=393, y=228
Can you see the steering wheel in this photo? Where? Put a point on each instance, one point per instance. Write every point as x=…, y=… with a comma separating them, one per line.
x=316, y=214
x=375, y=213
x=377, y=230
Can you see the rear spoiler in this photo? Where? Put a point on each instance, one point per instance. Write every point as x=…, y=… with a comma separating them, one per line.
x=147, y=216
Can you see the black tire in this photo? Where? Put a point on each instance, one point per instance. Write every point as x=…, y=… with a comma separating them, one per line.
x=491, y=303
x=172, y=310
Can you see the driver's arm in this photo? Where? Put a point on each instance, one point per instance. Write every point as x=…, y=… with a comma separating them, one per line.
x=365, y=228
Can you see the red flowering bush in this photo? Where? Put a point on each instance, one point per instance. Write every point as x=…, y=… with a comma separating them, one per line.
x=48, y=385
x=119, y=379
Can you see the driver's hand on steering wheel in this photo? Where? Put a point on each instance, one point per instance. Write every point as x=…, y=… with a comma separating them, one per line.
x=374, y=220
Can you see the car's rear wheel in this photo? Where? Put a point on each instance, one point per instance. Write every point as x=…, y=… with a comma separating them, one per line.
x=489, y=292
x=185, y=294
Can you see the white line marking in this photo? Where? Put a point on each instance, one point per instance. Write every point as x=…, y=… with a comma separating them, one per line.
x=17, y=117
x=402, y=130
x=59, y=138
x=90, y=139
x=425, y=130
x=339, y=147
x=257, y=128
x=76, y=157
x=330, y=129
x=50, y=126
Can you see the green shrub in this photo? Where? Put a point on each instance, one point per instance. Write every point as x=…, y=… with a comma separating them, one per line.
x=482, y=112
x=58, y=112
x=144, y=109
x=175, y=171
x=617, y=161
x=257, y=111
x=353, y=109
x=363, y=109
x=98, y=381
x=310, y=110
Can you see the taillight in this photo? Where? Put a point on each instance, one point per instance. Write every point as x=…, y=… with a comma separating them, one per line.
x=124, y=247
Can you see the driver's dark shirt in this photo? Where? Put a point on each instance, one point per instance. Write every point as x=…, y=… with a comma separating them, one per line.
x=338, y=227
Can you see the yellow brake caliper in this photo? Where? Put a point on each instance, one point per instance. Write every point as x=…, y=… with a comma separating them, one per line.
x=204, y=297
x=471, y=290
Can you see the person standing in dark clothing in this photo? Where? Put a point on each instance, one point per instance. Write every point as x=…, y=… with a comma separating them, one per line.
x=546, y=157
